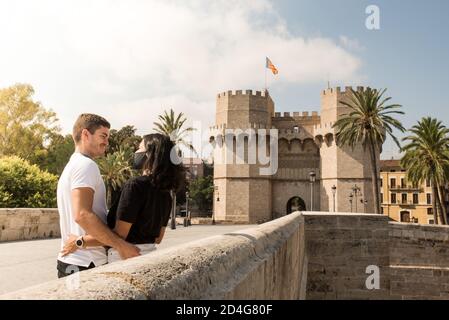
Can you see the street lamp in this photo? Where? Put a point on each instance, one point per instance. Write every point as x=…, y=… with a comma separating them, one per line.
x=189, y=223
x=350, y=199
x=334, y=190
x=312, y=177
x=356, y=191
x=213, y=199
x=173, y=211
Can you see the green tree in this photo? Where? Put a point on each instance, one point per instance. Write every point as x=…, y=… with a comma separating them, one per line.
x=367, y=123
x=25, y=125
x=173, y=126
x=116, y=170
x=427, y=158
x=56, y=155
x=23, y=185
x=124, y=138
x=201, y=192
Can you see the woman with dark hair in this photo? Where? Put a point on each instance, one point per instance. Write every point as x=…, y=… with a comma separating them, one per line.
x=143, y=210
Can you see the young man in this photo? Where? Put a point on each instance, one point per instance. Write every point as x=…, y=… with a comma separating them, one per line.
x=81, y=199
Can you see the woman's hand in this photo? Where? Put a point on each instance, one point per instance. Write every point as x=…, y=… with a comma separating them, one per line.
x=69, y=245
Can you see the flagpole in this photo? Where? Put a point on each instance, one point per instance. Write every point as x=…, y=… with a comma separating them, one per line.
x=266, y=89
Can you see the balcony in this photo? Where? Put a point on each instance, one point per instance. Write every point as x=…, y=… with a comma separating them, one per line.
x=408, y=203
x=404, y=189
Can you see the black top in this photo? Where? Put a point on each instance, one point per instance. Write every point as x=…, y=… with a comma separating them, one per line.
x=143, y=205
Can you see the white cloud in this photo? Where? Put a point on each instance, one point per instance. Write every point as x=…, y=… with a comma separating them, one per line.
x=351, y=44
x=129, y=60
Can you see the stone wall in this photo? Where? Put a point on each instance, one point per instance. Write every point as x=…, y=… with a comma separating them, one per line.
x=339, y=249
x=28, y=224
x=300, y=256
x=419, y=258
x=265, y=262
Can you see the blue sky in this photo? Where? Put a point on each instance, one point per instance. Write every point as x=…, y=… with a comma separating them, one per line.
x=129, y=60
x=409, y=55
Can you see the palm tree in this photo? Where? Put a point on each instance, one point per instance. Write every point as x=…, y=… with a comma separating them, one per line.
x=171, y=125
x=115, y=169
x=367, y=123
x=427, y=158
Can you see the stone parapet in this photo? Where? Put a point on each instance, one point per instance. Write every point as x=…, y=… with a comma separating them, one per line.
x=310, y=255
x=28, y=224
x=247, y=264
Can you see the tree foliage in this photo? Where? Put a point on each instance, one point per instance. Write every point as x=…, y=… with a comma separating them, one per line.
x=56, y=155
x=369, y=120
x=23, y=185
x=115, y=169
x=25, y=125
x=125, y=138
x=201, y=192
x=427, y=158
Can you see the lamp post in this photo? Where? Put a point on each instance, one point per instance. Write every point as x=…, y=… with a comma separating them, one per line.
x=189, y=223
x=356, y=191
x=350, y=199
x=213, y=199
x=334, y=190
x=312, y=177
x=173, y=211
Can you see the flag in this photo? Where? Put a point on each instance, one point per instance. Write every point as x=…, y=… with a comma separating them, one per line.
x=271, y=66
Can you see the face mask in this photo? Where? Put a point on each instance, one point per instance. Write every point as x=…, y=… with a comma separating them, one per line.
x=139, y=160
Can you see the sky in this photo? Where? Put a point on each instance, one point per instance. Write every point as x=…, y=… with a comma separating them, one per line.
x=129, y=60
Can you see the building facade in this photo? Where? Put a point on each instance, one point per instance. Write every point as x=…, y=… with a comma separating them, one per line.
x=305, y=144
x=400, y=200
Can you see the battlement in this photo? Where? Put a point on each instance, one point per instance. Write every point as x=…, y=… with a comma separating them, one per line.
x=297, y=115
x=254, y=125
x=337, y=90
x=233, y=93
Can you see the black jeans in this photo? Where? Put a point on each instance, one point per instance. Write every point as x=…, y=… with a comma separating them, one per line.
x=65, y=269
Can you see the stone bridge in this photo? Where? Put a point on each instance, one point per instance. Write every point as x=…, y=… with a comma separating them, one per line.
x=309, y=255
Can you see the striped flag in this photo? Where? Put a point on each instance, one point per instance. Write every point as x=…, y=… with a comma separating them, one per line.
x=271, y=66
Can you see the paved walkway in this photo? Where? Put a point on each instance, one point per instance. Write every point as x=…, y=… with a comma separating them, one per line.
x=27, y=263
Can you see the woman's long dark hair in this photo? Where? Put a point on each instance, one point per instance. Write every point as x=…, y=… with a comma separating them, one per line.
x=165, y=174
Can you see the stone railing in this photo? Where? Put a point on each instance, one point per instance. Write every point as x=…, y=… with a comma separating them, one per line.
x=28, y=224
x=300, y=256
x=265, y=262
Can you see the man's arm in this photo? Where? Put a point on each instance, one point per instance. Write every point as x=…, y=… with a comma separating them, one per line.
x=82, y=199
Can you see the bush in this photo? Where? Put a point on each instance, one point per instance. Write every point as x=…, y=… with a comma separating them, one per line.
x=23, y=185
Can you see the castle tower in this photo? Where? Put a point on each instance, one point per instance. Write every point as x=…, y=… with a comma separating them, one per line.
x=241, y=193
x=341, y=166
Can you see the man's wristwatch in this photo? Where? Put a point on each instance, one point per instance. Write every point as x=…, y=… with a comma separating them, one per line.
x=80, y=242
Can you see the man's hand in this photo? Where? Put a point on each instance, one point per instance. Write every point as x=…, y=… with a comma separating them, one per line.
x=69, y=245
x=127, y=250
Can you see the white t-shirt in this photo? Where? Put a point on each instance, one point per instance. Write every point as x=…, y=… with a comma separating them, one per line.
x=80, y=172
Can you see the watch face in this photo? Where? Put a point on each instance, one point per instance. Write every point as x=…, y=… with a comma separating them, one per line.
x=79, y=242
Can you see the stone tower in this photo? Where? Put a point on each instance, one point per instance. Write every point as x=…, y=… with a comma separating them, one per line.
x=343, y=167
x=305, y=144
x=241, y=193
